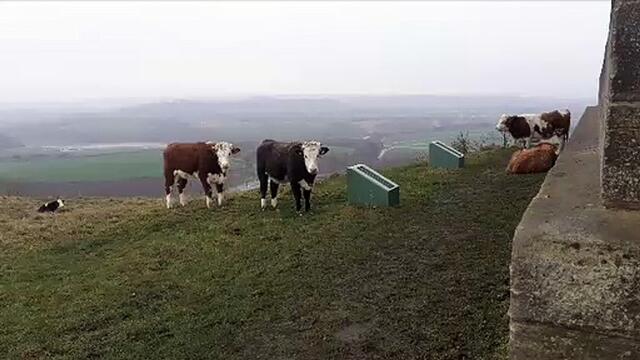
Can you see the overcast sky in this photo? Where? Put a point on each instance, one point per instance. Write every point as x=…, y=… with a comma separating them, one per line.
x=75, y=50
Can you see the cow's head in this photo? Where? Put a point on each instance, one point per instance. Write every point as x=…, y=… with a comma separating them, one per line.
x=504, y=122
x=224, y=150
x=311, y=151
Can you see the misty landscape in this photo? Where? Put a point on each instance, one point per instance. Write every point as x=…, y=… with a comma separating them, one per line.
x=437, y=186
x=105, y=149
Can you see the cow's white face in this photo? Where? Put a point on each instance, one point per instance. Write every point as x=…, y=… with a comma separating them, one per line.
x=224, y=150
x=502, y=123
x=312, y=151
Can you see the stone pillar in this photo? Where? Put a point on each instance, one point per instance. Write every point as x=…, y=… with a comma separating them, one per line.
x=620, y=100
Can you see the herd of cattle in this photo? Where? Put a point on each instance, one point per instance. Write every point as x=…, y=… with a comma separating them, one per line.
x=547, y=127
x=296, y=163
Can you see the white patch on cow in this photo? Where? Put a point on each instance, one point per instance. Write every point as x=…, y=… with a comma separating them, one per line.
x=502, y=123
x=215, y=178
x=284, y=181
x=311, y=153
x=183, y=199
x=274, y=202
x=220, y=198
x=263, y=203
x=564, y=112
x=209, y=201
x=185, y=175
x=223, y=150
x=168, y=198
x=60, y=203
x=305, y=185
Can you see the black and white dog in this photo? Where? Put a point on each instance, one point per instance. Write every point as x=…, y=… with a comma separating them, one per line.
x=52, y=206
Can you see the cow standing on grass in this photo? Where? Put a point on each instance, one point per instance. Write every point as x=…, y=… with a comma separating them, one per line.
x=295, y=163
x=209, y=162
x=549, y=127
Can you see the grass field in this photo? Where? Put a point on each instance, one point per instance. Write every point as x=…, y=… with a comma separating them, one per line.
x=100, y=167
x=103, y=167
x=128, y=279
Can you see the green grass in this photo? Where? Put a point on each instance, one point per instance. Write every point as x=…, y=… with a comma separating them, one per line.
x=426, y=280
x=103, y=167
x=97, y=167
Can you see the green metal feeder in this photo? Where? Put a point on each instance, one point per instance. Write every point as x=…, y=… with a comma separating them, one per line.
x=367, y=187
x=442, y=155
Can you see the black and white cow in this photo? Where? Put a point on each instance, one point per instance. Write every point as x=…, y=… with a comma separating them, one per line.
x=52, y=206
x=295, y=163
x=209, y=162
x=548, y=127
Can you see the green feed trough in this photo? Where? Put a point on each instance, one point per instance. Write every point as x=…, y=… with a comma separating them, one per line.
x=442, y=155
x=367, y=187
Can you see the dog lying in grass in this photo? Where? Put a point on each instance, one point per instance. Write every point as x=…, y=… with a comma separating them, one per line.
x=51, y=206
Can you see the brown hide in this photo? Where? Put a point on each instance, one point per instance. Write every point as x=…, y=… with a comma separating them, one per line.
x=518, y=127
x=538, y=159
x=190, y=157
x=557, y=124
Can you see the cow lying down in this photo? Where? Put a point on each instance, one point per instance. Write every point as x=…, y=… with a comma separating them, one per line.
x=538, y=159
x=547, y=127
x=295, y=163
x=208, y=162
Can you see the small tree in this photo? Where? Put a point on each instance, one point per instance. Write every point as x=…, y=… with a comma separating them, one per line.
x=463, y=144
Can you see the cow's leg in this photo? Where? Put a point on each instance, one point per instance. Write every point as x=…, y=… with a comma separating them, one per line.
x=297, y=194
x=220, y=191
x=168, y=185
x=264, y=183
x=274, y=193
x=182, y=183
x=307, y=199
x=208, y=193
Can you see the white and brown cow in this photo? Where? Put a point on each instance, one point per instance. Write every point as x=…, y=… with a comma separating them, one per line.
x=547, y=127
x=295, y=163
x=209, y=162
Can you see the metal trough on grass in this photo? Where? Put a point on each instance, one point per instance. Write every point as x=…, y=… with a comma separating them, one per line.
x=367, y=187
x=442, y=155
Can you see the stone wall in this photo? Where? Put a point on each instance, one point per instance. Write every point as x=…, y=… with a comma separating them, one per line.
x=575, y=264
x=620, y=100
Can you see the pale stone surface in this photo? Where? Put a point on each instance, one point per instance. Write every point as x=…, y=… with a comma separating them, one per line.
x=575, y=264
x=620, y=98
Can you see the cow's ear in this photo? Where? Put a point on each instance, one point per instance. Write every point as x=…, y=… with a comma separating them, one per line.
x=298, y=149
x=324, y=150
x=235, y=150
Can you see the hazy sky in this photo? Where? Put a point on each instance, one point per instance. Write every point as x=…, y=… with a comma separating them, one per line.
x=73, y=50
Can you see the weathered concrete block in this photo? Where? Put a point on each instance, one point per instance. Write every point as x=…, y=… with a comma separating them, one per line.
x=539, y=341
x=575, y=266
x=621, y=157
x=624, y=38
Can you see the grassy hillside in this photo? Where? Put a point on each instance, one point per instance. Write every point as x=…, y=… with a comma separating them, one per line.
x=129, y=279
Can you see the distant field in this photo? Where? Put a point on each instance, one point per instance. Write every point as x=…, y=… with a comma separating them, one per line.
x=105, y=167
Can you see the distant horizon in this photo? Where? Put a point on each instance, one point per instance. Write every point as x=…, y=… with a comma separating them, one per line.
x=248, y=96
